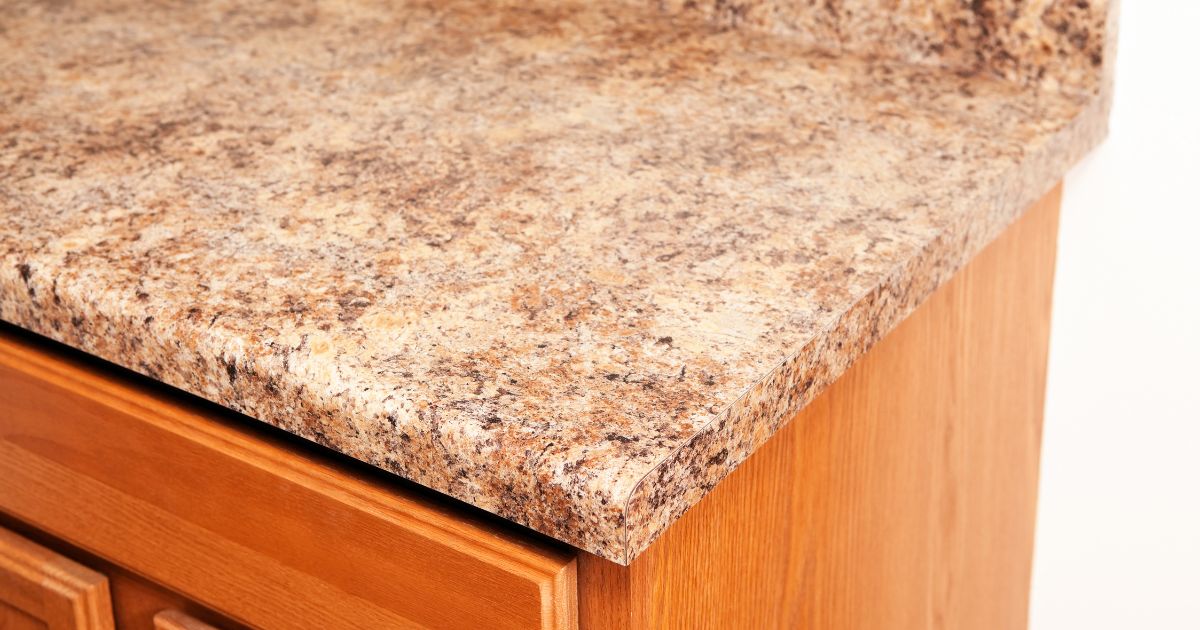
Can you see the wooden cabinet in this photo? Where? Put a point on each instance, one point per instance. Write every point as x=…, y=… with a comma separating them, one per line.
x=245, y=522
x=903, y=497
x=42, y=589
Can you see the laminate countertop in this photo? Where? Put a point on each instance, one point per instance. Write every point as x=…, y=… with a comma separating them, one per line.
x=569, y=262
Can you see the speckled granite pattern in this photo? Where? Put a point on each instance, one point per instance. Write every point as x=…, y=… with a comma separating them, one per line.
x=1045, y=42
x=568, y=262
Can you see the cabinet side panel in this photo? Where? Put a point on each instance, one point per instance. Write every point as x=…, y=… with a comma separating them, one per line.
x=903, y=497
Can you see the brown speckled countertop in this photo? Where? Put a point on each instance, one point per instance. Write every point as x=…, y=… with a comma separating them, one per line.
x=570, y=262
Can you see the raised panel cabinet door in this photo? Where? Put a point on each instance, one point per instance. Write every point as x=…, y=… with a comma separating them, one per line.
x=258, y=529
x=41, y=589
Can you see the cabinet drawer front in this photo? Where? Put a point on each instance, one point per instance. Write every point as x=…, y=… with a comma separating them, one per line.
x=269, y=534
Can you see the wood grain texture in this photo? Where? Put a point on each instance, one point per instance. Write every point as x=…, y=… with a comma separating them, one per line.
x=14, y=619
x=903, y=497
x=135, y=600
x=268, y=535
x=40, y=588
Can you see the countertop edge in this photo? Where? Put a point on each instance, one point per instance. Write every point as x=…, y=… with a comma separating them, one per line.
x=678, y=483
x=622, y=515
x=673, y=485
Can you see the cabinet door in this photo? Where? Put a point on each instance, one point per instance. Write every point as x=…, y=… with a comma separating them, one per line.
x=259, y=529
x=41, y=589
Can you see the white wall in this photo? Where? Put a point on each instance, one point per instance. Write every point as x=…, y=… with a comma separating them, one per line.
x=1118, y=539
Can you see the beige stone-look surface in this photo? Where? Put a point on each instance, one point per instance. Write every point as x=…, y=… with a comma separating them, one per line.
x=568, y=262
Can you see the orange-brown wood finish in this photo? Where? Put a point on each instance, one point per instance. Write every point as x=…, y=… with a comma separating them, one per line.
x=267, y=534
x=903, y=497
x=135, y=600
x=172, y=619
x=42, y=589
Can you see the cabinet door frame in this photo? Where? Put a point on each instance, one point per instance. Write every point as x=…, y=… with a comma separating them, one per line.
x=51, y=588
x=239, y=519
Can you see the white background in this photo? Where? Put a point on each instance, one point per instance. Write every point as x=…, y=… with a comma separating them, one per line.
x=1118, y=538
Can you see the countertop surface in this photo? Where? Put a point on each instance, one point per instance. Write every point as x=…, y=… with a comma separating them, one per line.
x=567, y=262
